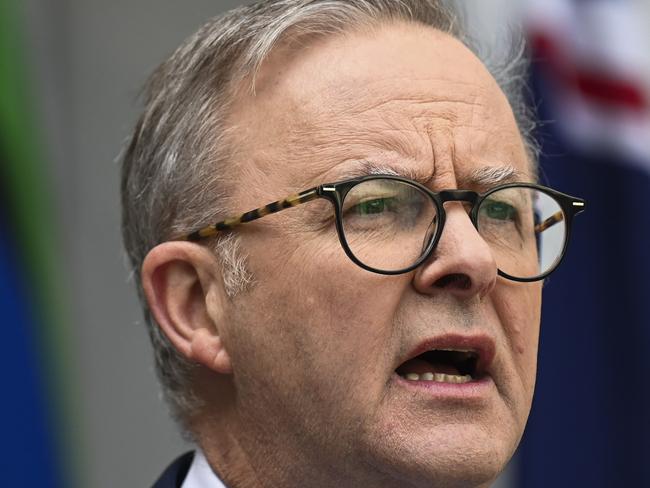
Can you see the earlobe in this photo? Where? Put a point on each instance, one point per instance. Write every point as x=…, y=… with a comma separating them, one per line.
x=178, y=278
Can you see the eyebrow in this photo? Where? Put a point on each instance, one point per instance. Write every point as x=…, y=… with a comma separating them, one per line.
x=484, y=177
x=367, y=167
x=489, y=176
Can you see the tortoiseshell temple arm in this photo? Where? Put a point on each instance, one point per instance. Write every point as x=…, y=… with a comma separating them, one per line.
x=550, y=222
x=258, y=213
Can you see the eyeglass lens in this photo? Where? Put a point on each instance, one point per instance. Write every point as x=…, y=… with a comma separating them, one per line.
x=388, y=224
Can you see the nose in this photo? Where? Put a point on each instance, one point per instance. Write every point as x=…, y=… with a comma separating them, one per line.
x=462, y=263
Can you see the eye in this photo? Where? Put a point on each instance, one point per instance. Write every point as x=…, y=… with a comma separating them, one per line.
x=498, y=210
x=386, y=205
x=373, y=206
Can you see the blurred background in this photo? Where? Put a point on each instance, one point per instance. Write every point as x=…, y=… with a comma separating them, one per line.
x=80, y=404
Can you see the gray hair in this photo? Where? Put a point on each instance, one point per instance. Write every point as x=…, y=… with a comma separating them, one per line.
x=174, y=175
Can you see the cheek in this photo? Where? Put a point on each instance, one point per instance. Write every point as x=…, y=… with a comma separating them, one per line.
x=315, y=317
x=519, y=310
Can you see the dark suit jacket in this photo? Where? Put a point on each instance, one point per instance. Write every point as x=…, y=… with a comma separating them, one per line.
x=176, y=472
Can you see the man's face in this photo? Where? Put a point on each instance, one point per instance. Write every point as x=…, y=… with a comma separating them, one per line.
x=315, y=344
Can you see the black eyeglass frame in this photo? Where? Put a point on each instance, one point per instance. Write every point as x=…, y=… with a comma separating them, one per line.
x=336, y=193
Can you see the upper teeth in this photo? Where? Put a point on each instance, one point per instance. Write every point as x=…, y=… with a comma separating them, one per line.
x=466, y=353
x=439, y=377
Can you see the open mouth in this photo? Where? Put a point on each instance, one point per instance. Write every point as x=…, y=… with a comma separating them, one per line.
x=442, y=366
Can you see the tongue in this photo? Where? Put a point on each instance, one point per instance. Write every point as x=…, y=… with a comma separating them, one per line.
x=420, y=366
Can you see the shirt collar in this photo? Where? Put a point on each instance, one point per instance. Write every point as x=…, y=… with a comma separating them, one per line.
x=200, y=474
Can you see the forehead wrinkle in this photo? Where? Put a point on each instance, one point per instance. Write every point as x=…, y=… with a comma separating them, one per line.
x=349, y=134
x=413, y=89
x=431, y=105
x=434, y=100
x=338, y=166
x=416, y=114
x=435, y=122
x=332, y=147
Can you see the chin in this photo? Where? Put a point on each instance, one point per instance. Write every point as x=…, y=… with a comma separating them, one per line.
x=452, y=456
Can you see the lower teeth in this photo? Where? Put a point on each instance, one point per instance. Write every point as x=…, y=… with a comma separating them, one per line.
x=438, y=377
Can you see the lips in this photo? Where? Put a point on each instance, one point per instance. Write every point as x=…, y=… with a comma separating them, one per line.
x=451, y=358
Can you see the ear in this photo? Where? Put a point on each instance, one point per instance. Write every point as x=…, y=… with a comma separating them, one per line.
x=183, y=286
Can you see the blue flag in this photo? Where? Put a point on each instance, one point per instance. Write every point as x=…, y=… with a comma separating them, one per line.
x=590, y=423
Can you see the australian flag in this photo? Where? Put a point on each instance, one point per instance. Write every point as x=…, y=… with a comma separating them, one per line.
x=590, y=423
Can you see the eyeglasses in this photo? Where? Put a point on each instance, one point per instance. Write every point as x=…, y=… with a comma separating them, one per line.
x=391, y=225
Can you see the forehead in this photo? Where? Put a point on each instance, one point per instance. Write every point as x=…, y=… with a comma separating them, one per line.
x=401, y=96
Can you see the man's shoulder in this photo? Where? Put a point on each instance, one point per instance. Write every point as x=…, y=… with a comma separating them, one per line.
x=176, y=472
